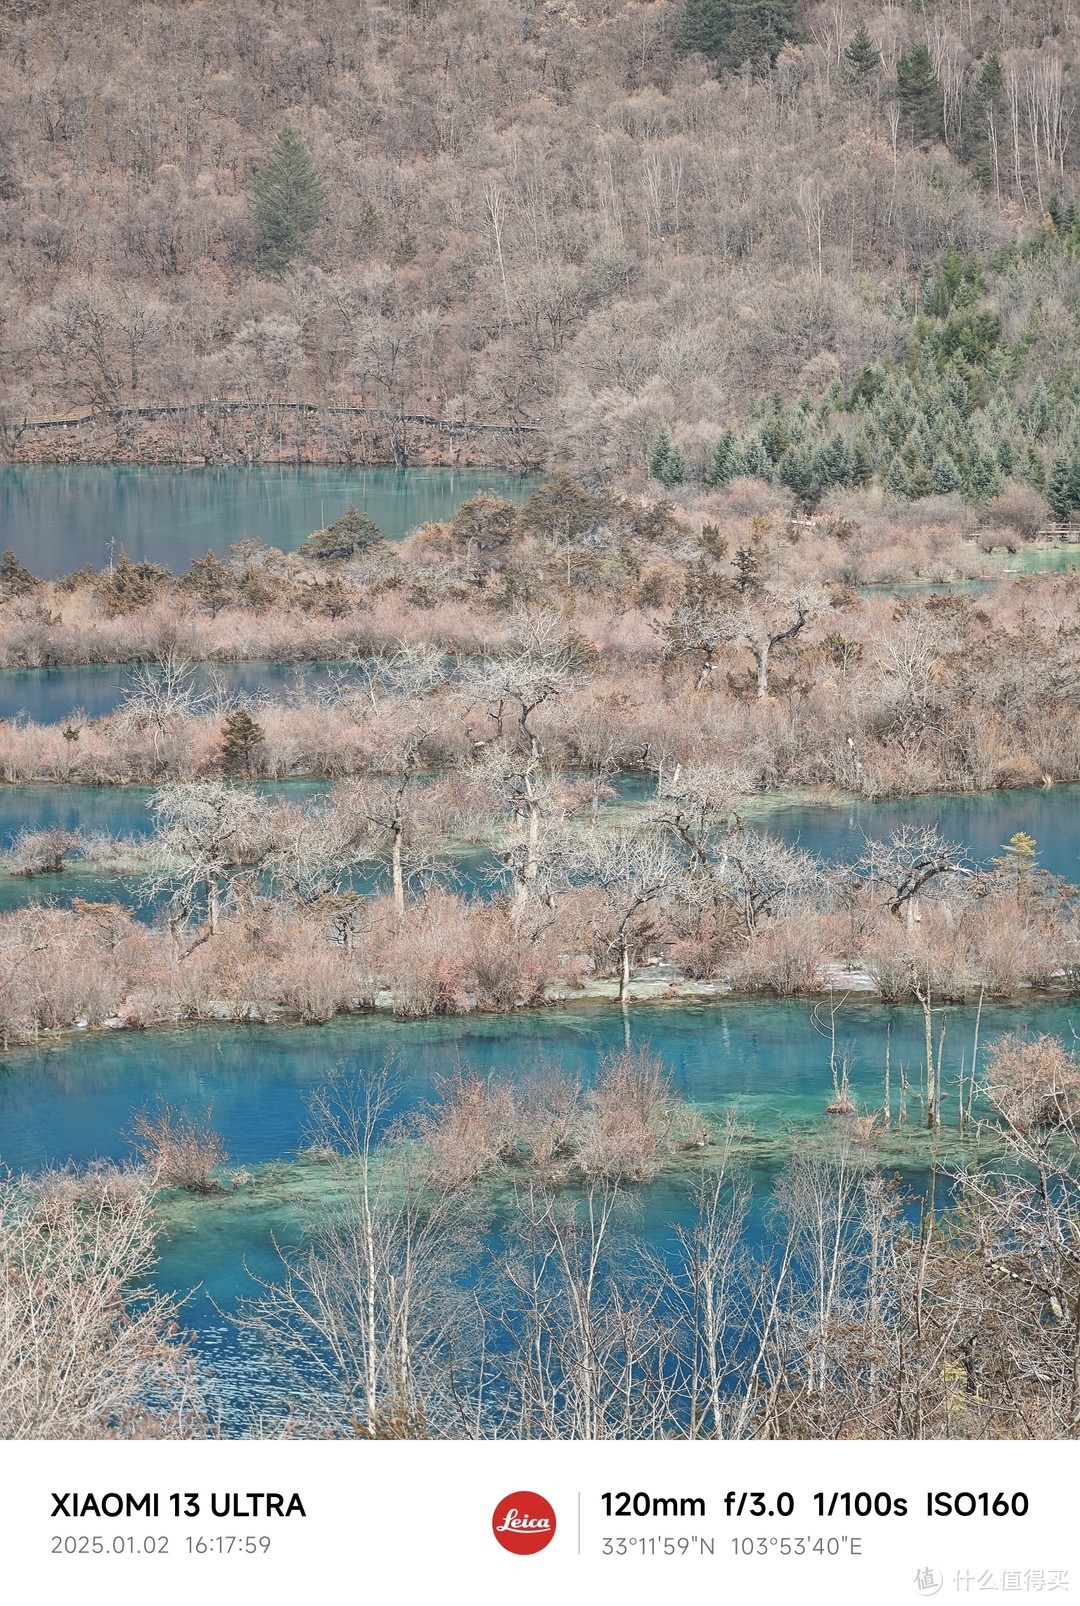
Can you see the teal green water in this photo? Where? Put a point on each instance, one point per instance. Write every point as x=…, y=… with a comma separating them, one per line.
x=1038, y=560
x=119, y=810
x=72, y=1098
x=47, y=696
x=979, y=821
x=57, y=519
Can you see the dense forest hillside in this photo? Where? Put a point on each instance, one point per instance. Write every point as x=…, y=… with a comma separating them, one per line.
x=500, y=230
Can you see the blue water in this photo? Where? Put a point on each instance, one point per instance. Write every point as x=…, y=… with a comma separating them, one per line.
x=73, y=1098
x=119, y=810
x=980, y=821
x=57, y=519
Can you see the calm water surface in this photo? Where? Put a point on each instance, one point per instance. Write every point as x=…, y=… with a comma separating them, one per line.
x=57, y=519
x=767, y=1061
x=48, y=696
x=73, y=1099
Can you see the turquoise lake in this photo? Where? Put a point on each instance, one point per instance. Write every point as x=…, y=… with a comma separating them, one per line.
x=47, y=696
x=57, y=519
x=73, y=1097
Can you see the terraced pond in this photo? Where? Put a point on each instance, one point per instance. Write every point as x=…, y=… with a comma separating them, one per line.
x=73, y=1099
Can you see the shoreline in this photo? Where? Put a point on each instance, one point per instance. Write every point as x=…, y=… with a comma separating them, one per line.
x=854, y=987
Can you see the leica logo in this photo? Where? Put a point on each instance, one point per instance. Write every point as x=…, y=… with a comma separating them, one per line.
x=523, y=1523
x=512, y=1520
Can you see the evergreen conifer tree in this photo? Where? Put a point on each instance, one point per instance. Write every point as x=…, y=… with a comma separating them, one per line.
x=756, y=461
x=945, y=474
x=1058, y=488
x=704, y=27
x=896, y=479
x=287, y=203
x=862, y=58
x=984, y=481
x=862, y=466
x=243, y=737
x=735, y=31
x=919, y=93
x=723, y=463
x=662, y=448
x=666, y=463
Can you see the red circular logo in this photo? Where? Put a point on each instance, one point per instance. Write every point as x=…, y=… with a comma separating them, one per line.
x=523, y=1523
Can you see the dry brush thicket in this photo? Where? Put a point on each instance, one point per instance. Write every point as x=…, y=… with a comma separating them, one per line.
x=540, y=220
x=727, y=641
x=88, y=1348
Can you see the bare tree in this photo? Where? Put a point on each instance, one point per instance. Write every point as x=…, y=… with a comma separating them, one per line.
x=87, y=1350
x=632, y=870
x=208, y=836
x=912, y=858
x=371, y=1338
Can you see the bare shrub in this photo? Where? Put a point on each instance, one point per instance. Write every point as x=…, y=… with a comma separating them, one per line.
x=42, y=852
x=508, y=970
x=633, y=1118
x=1019, y=508
x=549, y=1121
x=181, y=1150
x=785, y=958
x=1034, y=1082
x=471, y=1129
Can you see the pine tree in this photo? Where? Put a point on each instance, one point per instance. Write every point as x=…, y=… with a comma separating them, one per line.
x=862, y=58
x=1059, y=488
x=723, y=463
x=759, y=31
x=986, y=100
x=919, y=93
x=735, y=31
x=243, y=737
x=287, y=203
x=945, y=475
x=756, y=461
x=747, y=566
x=662, y=448
x=15, y=577
x=896, y=479
x=795, y=470
x=211, y=582
x=1034, y=468
x=675, y=468
x=666, y=463
x=352, y=535
x=984, y=481
x=920, y=481
x=704, y=27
